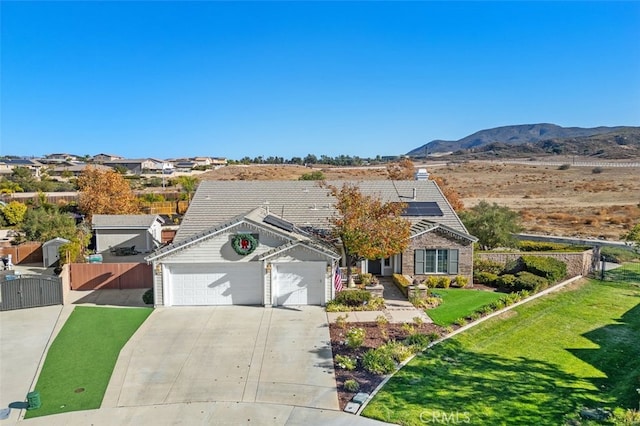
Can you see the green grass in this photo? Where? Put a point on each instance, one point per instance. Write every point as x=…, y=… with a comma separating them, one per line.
x=533, y=365
x=459, y=303
x=83, y=356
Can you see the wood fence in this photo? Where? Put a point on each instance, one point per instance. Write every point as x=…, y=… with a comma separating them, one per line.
x=119, y=276
x=29, y=252
x=165, y=207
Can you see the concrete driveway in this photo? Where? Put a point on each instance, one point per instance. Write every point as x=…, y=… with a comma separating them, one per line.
x=228, y=354
x=24, y=336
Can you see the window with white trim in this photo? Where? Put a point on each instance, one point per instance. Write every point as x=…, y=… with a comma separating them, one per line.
x=435, y=261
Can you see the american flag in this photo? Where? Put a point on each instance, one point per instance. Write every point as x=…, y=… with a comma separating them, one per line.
x=337, y=280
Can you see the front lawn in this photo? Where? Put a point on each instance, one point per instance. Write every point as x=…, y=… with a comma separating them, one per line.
x=532, y=365
x=459, y=303
x=81, y=359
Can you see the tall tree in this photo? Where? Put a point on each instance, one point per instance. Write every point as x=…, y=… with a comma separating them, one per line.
x=492, y=224
x=366, y=227
x=44, y=224
x=449, y=193
x=633, y=236
x=105, y=192
x=188, y=185
x=402, y=170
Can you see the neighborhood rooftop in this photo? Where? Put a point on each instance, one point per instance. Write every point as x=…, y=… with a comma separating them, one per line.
x=124, y=220
x=303, y=203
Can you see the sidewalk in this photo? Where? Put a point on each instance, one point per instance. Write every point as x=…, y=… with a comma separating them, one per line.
x=398, y=309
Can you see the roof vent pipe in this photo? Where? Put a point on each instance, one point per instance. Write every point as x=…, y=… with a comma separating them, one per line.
x=414, y=194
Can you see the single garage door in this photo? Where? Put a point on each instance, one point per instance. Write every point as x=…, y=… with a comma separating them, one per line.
x=217, y=284
x=299, y=283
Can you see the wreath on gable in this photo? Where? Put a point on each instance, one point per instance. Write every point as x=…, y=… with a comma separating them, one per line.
x=244, y=244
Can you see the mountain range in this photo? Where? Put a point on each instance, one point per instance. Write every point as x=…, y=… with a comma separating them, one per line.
x=539, y=139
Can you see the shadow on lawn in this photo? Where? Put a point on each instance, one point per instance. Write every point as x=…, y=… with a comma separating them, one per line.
x=618, y=356
x=490, y=390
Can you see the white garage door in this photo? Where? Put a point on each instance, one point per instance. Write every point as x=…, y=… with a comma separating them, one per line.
x=217, y=284
x=300, y=283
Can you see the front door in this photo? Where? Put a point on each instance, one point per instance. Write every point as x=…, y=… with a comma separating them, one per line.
x=375, y=267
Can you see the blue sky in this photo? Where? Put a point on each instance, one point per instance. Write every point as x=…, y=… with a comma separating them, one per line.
x=235, y=79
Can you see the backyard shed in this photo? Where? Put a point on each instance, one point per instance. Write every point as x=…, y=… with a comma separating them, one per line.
x=50, y=253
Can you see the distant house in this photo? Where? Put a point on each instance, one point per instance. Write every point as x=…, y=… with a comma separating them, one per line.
x=159, y=166
x=218, y=161
x=33, y=165
x=133, y=166
x=184, y=166
x=202, y=161
x=101, y=158
x=61, y=157
x=144, y=231
x=75, y=169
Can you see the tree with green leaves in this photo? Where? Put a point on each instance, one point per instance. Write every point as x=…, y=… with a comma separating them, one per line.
x=633, y=236
x=188, y=185
x=366, y=227
x=45, y=224
x=492, y=224
x=14, y=212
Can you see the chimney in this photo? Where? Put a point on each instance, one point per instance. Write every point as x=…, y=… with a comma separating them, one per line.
x=422, y=174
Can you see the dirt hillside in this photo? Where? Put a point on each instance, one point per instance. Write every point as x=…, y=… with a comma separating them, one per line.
x=577, y=201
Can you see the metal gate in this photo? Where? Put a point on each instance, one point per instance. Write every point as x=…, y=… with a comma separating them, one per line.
x=29, y=291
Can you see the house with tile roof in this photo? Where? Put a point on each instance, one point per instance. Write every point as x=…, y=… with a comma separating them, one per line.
x=259, y=242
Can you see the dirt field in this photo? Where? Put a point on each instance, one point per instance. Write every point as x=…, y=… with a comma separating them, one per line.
x=572, y=202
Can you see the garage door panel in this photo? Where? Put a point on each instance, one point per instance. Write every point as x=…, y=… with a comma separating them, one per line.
x=217, y=284
x=300, y=283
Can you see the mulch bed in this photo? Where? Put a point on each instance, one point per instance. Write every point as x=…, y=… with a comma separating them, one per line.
x=374, y=338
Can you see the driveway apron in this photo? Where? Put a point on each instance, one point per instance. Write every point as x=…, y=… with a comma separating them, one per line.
x=227, y=353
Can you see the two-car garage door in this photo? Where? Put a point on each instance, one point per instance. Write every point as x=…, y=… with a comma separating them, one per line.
x=292, y=283
x=217, y=284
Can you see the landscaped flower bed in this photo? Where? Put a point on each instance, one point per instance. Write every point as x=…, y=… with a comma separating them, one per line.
x=376, y=334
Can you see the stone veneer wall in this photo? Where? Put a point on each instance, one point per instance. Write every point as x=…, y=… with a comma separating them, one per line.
x=577, y=263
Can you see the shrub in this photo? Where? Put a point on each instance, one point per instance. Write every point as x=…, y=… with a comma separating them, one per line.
x=376, y=304
x=482, y=265
x=408, y=328
x=418, y=341
x=597, y=170
x=147, y=297
x=460, y=322
x=366, y=278
x=618, y=255
x=475, y=316
x=346, y=362
x=355, y=337
x=486, y=278
x=507, y=281
x=353, y=297
x=444, y=282
x=351, y=385
x=461, y=281
x=547, y=246
x=565, y=166
x=547, y=267
x=378, y=361
x=432, y=281
x=381, y=320
x=418, y=321
x=341, y=321
x=396, y=350
x=402, y=283
x=486, y=309
x=530, y=282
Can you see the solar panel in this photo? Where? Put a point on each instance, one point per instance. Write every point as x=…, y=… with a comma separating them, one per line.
x=422, y=208
x=280, y=223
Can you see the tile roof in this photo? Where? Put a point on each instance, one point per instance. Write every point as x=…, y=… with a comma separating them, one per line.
x=137, y=221
x=302, y=203
x=256, y=217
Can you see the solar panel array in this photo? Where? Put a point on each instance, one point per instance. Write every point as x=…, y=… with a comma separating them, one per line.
x=280, y=223
x=422, y=208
